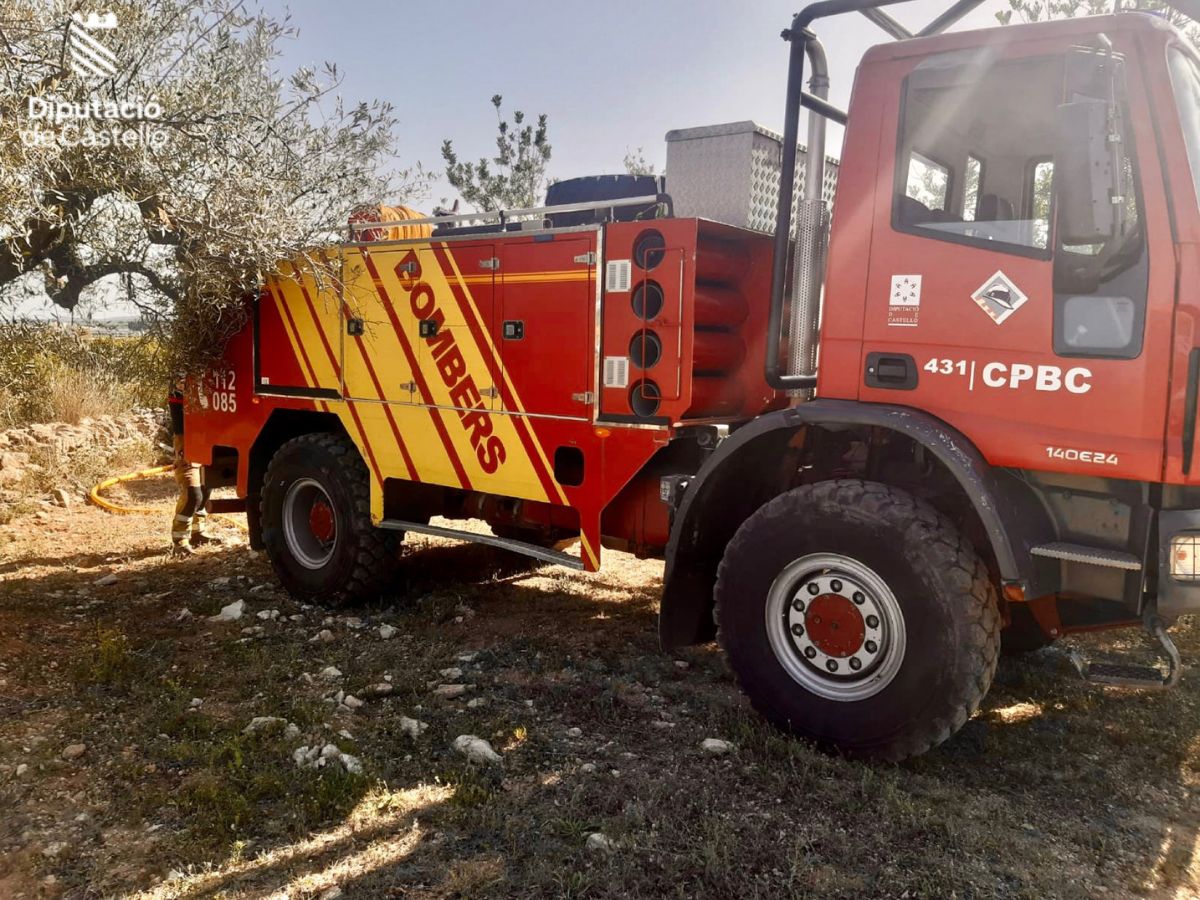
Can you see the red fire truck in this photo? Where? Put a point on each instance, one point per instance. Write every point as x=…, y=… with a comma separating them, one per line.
x=998, y=446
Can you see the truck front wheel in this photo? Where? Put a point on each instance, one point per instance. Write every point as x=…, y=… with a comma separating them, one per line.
x=316, y=522
x=858, y=616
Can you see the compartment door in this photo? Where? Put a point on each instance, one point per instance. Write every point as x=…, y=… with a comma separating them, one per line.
x=298, y=334
x=376, y=363
x=545, y=326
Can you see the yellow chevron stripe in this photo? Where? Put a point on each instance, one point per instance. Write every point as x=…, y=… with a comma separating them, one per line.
x=589, y=552
x=516, y=476
x=314, y=340
x=491, y=348
x=277, y=295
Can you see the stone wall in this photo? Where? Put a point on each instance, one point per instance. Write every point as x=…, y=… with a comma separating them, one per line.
x=19, y=446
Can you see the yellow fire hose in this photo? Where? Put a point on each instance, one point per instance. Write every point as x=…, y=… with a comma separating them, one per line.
x=94, y=495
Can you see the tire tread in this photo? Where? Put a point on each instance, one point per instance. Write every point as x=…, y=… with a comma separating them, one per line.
x=950, y=552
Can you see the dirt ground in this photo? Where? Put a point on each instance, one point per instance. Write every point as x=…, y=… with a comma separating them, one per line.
x=128, y=766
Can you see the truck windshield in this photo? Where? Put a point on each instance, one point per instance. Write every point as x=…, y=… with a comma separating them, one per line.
x=1185, y=75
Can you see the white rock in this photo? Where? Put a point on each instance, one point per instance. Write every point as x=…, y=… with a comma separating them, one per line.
x=74, y=751
x=476, y=702
x=716, y=746
x=476, y=750
x=352, y=764
x=220, y=583
x=574, y=732
x=353, y=702
x=264, y=723
x=330, y=751
x=387, y=632
x=52, y=850
x=468, y=657
x=267, y=615
x=331, y=673
x=374, y=691
x=230, y=613
x=292, y=731
x=196, y=703
x=22, y=769
x=451, y=674
x=411, y=727
x=184, y=615
x=106, y=580
x=306, y=757
x=324, y=636
x=450, y=691
x=600, y=843
x=332, y=893
x=588, y=767
x=353, y=622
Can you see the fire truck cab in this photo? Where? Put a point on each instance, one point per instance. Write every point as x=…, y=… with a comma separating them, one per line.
x=996, y=448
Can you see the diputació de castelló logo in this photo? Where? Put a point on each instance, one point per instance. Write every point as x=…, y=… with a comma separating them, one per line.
x=94, y=122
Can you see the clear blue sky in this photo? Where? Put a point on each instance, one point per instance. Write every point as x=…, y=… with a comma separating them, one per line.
x=612, y=75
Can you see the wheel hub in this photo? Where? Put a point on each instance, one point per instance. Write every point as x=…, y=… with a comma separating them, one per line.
x=320, y=521
x=309, y=523
x=835, y=626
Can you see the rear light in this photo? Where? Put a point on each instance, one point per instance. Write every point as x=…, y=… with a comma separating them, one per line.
x=1185, y=556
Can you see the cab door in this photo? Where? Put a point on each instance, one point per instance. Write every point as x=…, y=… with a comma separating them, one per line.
x=981, y=309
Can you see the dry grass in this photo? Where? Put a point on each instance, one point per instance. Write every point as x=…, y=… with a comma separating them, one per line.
x=52, y=373
x=1055, y=789
x=70, y=395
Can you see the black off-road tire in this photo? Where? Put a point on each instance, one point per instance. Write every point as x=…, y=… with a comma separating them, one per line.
x=1023, y=634
x=941, y=586
x=364, y=558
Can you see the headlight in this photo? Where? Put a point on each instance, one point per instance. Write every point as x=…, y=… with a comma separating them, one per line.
x=1185, y=556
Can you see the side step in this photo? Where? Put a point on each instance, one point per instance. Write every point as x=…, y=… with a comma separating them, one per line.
x=1095, y=556
x=1136, y=676
x=543, y=553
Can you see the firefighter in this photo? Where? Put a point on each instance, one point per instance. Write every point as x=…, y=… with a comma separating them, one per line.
x=193, y=495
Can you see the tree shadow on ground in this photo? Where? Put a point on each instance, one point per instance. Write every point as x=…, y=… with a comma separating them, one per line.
x=1054, y=789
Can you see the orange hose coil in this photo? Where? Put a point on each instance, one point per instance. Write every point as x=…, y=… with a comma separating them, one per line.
x=382, y=213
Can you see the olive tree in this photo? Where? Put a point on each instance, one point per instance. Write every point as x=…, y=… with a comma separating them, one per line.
x=159, y=142
x=515, y=178
x=1041, y=10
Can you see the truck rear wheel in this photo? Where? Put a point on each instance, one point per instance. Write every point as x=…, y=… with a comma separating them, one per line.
x=858, y=616
x=316, y=522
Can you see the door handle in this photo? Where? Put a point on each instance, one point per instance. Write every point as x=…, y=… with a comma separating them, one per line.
x=893, y=371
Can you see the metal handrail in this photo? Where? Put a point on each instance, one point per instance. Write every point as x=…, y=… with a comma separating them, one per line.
x=504, y=215
x=805, y=43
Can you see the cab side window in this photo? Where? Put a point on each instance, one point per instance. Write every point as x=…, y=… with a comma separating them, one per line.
x=970, y=136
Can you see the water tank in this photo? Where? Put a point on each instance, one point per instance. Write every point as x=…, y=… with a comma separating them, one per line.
x=596, y=188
